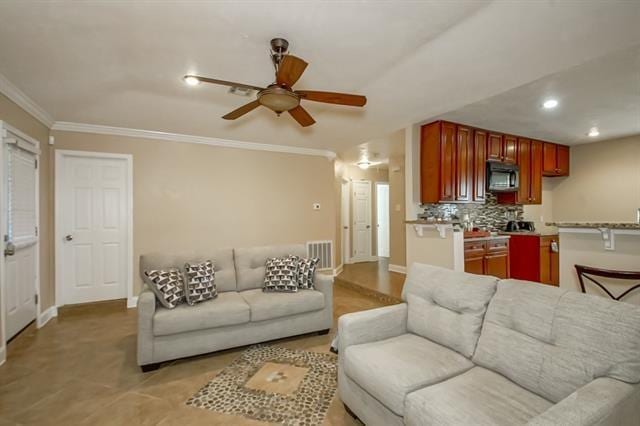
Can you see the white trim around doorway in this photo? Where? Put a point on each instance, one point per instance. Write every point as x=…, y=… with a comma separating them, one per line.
x=60, y=155
x=4, y=128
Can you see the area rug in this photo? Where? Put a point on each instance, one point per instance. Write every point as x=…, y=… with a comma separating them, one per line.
x=273, y=384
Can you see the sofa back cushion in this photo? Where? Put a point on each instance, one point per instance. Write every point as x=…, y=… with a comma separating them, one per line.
x=446, y=306
x=552, y=341
x=222, y=262
x=250, y=262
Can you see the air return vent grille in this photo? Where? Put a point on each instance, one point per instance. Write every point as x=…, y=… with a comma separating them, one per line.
x=323, y=250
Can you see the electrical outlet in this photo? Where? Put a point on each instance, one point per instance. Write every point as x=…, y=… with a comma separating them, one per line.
x=316, y=206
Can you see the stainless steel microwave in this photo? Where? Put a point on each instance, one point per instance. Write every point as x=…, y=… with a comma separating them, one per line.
x=502, y=177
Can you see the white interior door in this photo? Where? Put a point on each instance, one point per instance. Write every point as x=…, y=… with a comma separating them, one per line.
x=361, y=221
x=346, y=229
x=93, y=227
x=21, y=235
x=382, y=216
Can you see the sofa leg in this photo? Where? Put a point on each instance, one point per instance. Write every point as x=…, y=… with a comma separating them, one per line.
x=349, y=412
x=323, y=332
x=150, y=367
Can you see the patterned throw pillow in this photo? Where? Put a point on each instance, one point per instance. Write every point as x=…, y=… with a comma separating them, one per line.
x=199, y=284
x=306, y=272
x=281, y=274
x=167, y=285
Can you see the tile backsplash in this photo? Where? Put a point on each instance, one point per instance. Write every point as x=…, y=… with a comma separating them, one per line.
x=490, y=215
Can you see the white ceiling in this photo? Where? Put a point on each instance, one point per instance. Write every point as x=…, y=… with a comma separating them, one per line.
x=120, y=63
x=602, y=93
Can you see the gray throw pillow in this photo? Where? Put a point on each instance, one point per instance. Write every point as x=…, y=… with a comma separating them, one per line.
x=281, y=274
x=199, y=283
x=167, y=285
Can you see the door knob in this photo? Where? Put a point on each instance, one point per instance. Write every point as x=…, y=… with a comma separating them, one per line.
x=10, y=249
x=368, y=226
x=345, y=227
x=69, y=237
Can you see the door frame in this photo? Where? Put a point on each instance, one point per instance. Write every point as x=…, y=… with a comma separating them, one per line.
x=376, y=185
x=4, y=128
x=345, y=211
x=370, y=257
x=60, y=156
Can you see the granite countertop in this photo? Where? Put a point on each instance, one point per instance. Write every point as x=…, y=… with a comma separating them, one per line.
x=610, y=225
x=487, y=238
x=545, y=233
x=430, y=222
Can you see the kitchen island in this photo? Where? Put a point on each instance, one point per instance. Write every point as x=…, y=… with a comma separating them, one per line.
x=607, y=245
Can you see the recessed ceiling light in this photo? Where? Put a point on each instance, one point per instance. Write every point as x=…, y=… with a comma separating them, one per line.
x=191, y=80
x=364, y=164
x=593, y=132
x=550, y=103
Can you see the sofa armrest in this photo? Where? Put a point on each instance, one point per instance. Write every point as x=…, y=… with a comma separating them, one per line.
x=603, y=401
x=146, y=309
x=324, y=284
x=372, y=325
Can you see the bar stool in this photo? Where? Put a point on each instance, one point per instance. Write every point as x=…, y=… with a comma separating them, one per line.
x=589, y=273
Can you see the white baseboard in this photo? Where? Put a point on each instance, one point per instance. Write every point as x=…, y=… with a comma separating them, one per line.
x=338, y=270
x=397, y=268
x=3, y=354
x=45, y=316
x=132, y=302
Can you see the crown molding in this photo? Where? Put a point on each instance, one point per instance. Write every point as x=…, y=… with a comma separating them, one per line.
x=12, y=92
x=178, y=137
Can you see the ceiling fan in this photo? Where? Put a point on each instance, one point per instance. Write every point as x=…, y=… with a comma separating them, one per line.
x=279, y=96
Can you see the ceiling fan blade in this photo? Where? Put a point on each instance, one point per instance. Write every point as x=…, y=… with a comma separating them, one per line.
x=224, y=82
x=333, y=98
x=290, y=70
x=302, y=116
x=236, y=113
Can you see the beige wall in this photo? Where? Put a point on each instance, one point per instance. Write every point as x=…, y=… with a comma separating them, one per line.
x=197, y=197
x=542, y=213
x=604, y=183
x=20, y=119
x=588, y=249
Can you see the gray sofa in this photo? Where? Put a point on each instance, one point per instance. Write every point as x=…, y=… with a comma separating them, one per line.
x=242, y=314
x=471, y=350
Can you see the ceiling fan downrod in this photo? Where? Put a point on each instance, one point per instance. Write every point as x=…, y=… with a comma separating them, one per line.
x=279, y=47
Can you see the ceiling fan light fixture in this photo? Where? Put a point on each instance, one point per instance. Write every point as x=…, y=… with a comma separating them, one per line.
x=364, y=164
x=278, y=99
x=191, y=80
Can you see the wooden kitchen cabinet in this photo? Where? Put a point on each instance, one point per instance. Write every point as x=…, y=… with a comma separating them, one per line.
x=479, y=165
x=555, y=160
x=447, y=163
x=464, y=164
x=549, y=260
x=502, y=148
x=487, y=257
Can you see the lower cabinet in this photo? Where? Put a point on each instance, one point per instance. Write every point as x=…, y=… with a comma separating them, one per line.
x=535, y=258
x=487, y=257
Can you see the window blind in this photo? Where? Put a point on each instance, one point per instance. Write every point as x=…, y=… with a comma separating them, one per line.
x=21, y=193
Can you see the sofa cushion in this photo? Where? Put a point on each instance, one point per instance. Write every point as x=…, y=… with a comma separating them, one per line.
x=477, y=397
x=222, y=262
x=265, y=306
x=390, y=369
x=250, y=262
x=553, y=341
x=229, y=308
x=447, y=307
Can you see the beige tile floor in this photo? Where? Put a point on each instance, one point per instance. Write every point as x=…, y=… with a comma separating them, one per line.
x=81, y=369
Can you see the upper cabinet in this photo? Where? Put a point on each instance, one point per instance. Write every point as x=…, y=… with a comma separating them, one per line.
x=502, y=148
x=556, y=160
x=453, y=163
x=449, y=170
